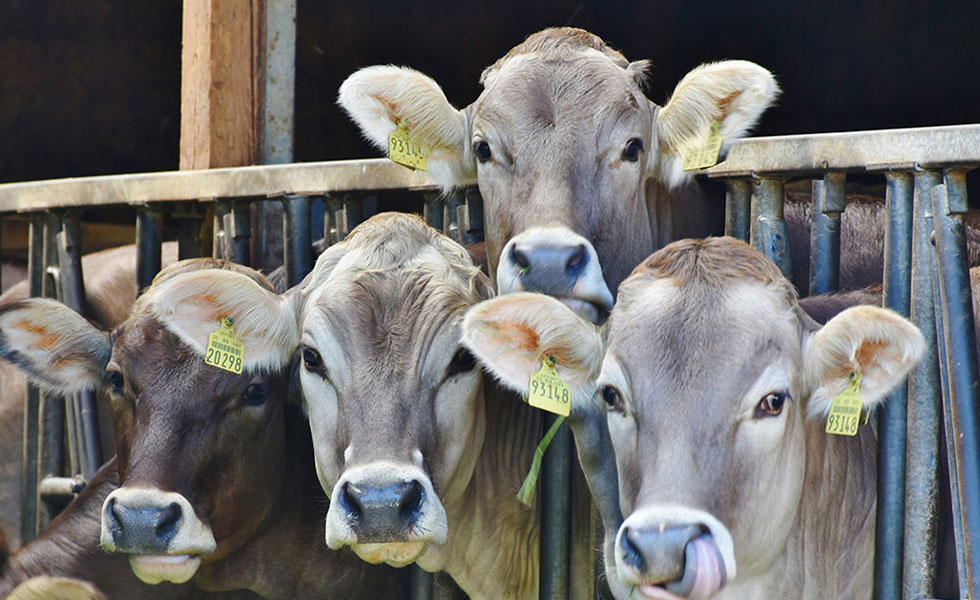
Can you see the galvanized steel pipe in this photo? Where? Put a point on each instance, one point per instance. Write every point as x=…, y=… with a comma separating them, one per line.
x=828, y=204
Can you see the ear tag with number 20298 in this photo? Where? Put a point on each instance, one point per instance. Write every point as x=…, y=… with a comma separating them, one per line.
x=403, y=150
x=845, y=410
x=225, y=350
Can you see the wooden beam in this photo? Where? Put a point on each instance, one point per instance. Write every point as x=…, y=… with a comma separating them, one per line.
x=222, y=83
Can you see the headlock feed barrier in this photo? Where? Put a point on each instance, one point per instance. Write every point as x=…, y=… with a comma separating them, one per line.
x=926, y=277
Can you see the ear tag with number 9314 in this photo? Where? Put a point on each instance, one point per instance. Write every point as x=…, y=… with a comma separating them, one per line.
x=845, y=410
x=548, y=391
x=702, y=157
x=225, y=350
x=403, y=150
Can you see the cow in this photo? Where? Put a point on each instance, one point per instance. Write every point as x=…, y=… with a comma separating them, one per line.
x=421, y=460
x=717, y=388
x=581, y=175
x=110, y=290
x=215, y=467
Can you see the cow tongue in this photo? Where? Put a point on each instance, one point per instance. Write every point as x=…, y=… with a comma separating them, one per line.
x=704, y=574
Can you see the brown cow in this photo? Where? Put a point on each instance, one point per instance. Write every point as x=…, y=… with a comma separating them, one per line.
x=110, y=289
x=572, y=160
x=717, y=387
x=216, y=467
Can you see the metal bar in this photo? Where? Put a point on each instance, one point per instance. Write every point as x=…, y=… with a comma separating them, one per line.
x=738, y=203
x=238, y=232
x=29, y=479
x=950, y=205
x=148, y=246
x=890, y=519
x=923, y=408
x=270, y=181
x=51, y=286
x=188, y=220
x=1, y=251
x=353, y=214
x=85, y=443
x=944, y=368
x=886, y=149
x=297, y=245
x=432, y=211
x=450, y=217
x=220, y=243
x=335, y=213
x=62, y=487
x=555, y=506
x=828, y=204
x=280, y=80
x=768, y=229
x=422, y=583
x=474, y=216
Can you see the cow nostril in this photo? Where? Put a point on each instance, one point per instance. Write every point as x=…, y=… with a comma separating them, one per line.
x=350, y=499
x=167, y=523
x=520, y=259
x=411, y=502
x=110, y=510
x=631, y=554
x=578, y=260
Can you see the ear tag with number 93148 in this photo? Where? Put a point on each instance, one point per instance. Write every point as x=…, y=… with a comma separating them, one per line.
x=845, y=410
x=548, y=391
x=225, y=350
x=403, y=150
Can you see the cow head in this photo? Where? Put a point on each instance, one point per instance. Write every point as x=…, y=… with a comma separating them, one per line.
x=716, y=384
x=394, y=402
x=200, y=449
x=564, y=146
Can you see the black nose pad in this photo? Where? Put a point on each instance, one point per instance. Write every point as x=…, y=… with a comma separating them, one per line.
x=658, y=553
x=380, y=514
x=143, y=530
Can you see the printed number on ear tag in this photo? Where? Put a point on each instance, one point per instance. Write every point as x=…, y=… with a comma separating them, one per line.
x=405, y=151
x=845, y=410
x=548, y=391
x=705, y=156
x=225, y=350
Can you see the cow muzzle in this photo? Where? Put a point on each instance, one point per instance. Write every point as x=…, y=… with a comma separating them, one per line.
x=159, y=530
x=673, y=555
x=560, y=263
x=386, y=513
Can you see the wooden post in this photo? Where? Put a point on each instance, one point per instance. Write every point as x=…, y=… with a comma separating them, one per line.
x=222, y=83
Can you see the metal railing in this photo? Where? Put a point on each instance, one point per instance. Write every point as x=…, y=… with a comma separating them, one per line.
x=926, y=192
x=926, y=199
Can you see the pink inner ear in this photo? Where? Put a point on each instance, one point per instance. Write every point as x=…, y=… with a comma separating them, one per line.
x=45, y=339
x=868, y=352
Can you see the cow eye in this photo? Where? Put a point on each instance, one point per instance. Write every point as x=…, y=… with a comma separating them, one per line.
x=632, y=151
x=116, y=380
x=462, y=362
x=610, y=396
x=255, y=394
x=771, y=404
x=482, y=150
x=311, y=359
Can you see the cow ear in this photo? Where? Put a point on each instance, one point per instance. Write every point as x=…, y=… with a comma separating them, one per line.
x=732, y=92
x=58, y=348
x=193, y=305
x=874, y=342
x=46, y=587
x=382, y=97
x=512, y=334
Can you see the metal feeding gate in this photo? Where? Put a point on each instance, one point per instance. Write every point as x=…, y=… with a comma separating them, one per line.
x=925, y=204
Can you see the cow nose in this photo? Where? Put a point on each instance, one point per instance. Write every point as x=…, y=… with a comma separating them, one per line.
x=380, y=514
x=144, y=529
x=550, y=269
x=684, y=559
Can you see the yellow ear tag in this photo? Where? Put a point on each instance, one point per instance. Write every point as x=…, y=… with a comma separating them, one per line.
x=547, y=391
x=705, y=156
x=405, y=151
x=845, y=410
x=225, y=350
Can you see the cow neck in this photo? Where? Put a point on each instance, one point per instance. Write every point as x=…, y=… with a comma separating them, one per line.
x=70, y=547
x=692, y=210
x=288, y=556
x=830, y=551
x=492, y=551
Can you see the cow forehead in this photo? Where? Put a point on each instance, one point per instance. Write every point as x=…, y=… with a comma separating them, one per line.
x=585, y=88
x=703, y=341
